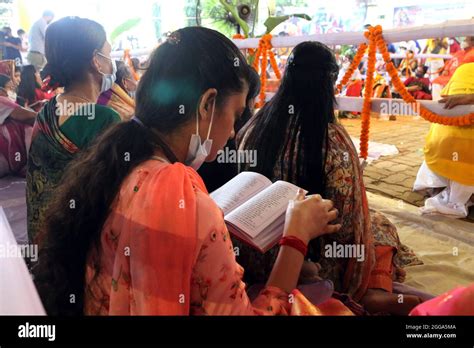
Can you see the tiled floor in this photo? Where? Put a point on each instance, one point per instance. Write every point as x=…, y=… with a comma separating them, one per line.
x=393, y=176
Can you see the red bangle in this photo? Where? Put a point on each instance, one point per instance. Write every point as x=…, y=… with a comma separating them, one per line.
x=295, y=243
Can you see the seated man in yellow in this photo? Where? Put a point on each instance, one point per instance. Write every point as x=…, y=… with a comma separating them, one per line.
x=449, y=159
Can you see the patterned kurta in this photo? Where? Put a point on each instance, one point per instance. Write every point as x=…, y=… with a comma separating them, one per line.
x=360, y=226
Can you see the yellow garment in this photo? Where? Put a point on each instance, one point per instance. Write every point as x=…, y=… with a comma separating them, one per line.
x=431, y=45
x=462, y=81
x=117, y=99
x=449, y=150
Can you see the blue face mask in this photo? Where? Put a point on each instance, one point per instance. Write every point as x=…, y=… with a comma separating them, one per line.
x=108, y=80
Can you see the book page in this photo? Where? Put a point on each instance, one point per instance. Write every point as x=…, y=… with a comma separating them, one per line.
x=238, y=190
x=263, y=209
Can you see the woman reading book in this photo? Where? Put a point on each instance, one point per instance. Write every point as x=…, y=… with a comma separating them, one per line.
x=298, y=140
x=217, y=173
x=143, y=237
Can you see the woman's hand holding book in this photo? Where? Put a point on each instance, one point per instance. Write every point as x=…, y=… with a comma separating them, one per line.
x=310, y=217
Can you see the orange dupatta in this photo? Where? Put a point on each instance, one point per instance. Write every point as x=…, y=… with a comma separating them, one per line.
x=154, y=215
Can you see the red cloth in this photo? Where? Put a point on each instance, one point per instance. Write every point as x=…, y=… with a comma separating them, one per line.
x=420, y=95
x=455, y=47
x=41, y=95
x=354, y=89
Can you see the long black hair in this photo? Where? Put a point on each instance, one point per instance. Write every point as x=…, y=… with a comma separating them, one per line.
x=70, y=44
x=179, y=72
x=295, y=121
x=28, y=83
x=254, y=90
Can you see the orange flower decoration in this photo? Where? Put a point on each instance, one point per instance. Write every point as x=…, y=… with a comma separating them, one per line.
x=375, y=38
x=251, y=51
x=264, y=52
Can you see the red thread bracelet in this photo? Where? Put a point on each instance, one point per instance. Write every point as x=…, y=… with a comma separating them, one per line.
x=295, y=243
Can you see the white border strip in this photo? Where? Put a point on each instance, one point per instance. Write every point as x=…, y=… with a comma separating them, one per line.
x=391, y=106
x=146, y=52
x=445, y=29
x=399, y=107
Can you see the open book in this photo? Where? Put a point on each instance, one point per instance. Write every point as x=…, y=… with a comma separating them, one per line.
x=254, y=208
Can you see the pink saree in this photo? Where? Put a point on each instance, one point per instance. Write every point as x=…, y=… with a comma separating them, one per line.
x=15, y=139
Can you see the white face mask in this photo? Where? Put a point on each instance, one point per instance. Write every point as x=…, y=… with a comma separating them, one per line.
x=346, y=65
x=197, y=152
x=108, y=80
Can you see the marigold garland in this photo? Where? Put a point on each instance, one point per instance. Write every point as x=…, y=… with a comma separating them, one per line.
x=462, y=120
x=263, y=53
x=355, y=63
x=375, y=38
x=366, y=108
x=251, y=51
x=375, y=41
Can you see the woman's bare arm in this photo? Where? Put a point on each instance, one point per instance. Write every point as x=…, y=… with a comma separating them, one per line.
x=23, y=115
x=450, y=101
x=306, y=219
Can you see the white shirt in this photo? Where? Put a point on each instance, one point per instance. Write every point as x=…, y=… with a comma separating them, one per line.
x=37, y=35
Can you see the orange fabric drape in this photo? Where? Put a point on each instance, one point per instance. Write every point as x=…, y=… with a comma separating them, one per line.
x=127, y=59
x=158, y=276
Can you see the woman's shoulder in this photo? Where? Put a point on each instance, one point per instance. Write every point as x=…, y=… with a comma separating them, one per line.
x=105, y=111
x=7, y=102
x=337, y=128
x=87, y=122
x=157, y=176
x=339, y=138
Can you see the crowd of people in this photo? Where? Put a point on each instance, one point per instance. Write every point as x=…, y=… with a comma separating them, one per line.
x=117, y=188
x=425, y=78
x=446, y=173
x=24, y=91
